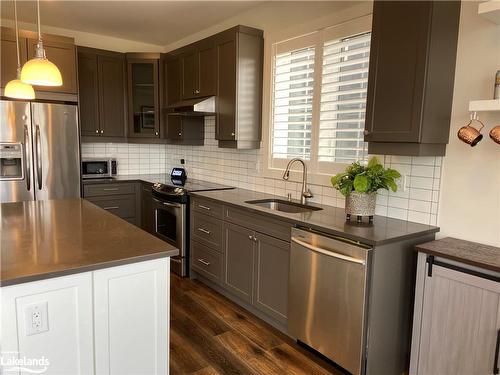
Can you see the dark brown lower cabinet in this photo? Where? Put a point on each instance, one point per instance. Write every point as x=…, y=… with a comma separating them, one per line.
x=247, y=265
x=120, y=199
x=272, y=262
x=147, y=212
x=239, y=256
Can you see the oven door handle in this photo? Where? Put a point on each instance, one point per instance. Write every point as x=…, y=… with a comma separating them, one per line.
x=168, y=204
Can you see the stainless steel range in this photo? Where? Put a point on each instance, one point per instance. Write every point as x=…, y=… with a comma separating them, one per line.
x=171, y=208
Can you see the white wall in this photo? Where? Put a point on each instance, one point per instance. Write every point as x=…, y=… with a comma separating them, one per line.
x=470, y=195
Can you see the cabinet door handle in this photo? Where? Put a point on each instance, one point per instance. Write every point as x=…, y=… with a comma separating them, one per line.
x=97, y=131
x=204, y=231
x=497, y=349
x=110, y=189
x=204, y=262
x=250, y=237
x=102, y=131
x=111, y=208
x=255, y=239
x=367, y=132
x=204, y=207
x=156, y=133
x=233, y=134
x=196, y=91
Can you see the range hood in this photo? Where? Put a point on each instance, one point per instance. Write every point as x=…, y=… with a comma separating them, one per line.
x=194, y=107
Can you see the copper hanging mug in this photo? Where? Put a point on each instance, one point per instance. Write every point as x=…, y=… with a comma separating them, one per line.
x=495, y=134
x=470, y=134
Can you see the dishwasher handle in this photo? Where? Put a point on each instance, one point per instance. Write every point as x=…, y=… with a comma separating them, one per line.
x=329, y=252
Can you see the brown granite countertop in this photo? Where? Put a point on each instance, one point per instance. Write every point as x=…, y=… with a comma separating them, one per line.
x=44, y=239
x=329, y=220
x=467, y=252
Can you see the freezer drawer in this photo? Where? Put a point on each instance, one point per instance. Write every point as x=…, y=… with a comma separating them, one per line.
x=327, y=296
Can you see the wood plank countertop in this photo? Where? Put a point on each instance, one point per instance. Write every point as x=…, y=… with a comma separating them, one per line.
x=44, y=239
x=472, y=253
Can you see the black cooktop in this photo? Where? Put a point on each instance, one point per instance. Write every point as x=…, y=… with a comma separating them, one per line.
x=178, y=188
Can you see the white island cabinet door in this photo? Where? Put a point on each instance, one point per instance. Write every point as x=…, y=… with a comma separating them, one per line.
x=457, y=323
x=131, y=318
x=47, y=324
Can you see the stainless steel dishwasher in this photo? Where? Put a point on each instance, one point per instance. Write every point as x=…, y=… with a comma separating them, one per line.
x=327, y=296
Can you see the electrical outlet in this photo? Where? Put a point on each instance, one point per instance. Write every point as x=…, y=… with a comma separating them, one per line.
x=36, y=318
x=402, y=183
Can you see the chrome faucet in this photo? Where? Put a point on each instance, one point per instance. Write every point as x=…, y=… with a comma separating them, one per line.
x=306, y=193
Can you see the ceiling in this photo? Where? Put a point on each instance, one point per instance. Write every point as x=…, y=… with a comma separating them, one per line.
x=155, y=22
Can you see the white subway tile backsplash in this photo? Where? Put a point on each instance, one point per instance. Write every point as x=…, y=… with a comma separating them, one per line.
x=241, y=168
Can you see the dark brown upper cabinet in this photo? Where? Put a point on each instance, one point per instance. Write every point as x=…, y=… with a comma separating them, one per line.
x=411, y=77
x=199, y=72
x=59, y=49
x=143, y=95
x=8, y=63
x=185, y=130
x=239, y=87
x=173, y=80
x=101, y=78
x=227, y=65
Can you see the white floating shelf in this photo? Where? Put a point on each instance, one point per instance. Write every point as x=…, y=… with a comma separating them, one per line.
x=484, y=105
x=490, y=10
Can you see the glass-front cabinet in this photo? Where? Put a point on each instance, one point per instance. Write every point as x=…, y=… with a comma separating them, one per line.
x=143, y=118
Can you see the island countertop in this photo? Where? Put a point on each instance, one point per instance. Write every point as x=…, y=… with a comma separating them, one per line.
x=45, y=239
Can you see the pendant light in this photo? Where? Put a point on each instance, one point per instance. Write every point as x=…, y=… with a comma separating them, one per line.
x=16, y=88
x=39, y=70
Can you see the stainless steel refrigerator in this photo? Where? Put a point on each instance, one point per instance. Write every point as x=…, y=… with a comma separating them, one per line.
x=39, y=151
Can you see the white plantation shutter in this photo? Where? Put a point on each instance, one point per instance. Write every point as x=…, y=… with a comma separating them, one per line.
x=318, y=97
x=292, y=103
x=343, y=99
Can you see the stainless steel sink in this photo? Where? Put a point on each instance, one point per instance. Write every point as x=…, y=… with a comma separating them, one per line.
x=283, y=206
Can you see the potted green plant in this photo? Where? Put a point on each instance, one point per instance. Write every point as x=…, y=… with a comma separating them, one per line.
x=360, y=183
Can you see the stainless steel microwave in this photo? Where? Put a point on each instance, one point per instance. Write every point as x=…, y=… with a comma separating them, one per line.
x=98, y=167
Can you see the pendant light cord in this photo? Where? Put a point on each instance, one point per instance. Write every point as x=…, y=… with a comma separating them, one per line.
x=38, y=19
x=17, y=39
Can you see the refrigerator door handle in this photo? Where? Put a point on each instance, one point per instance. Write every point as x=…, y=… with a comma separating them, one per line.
x=27, y=162
x=38, y=157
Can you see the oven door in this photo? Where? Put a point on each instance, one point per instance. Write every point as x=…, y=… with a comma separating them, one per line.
x=170, y=226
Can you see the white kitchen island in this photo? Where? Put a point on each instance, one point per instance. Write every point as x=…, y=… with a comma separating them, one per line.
x=83, y=292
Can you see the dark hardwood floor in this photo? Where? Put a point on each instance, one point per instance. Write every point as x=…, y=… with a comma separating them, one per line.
x=212, y=335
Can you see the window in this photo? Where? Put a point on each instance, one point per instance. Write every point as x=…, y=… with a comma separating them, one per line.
x=319, y=96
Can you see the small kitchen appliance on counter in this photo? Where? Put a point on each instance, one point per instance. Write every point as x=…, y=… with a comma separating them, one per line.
x=171, y=208
x=98, y=168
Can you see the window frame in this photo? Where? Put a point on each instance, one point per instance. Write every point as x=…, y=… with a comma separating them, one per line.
x=320, y=172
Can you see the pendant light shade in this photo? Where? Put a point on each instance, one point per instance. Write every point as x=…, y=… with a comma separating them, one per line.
x=16, y=88
x=39, y=70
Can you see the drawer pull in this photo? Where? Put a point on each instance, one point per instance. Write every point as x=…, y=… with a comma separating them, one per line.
x=110, y=189
x=111, y=208
x=204, y=262
x=204, y=231
x=204, y=207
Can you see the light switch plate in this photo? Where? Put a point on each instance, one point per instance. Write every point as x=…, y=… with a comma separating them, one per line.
x=36, y=318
